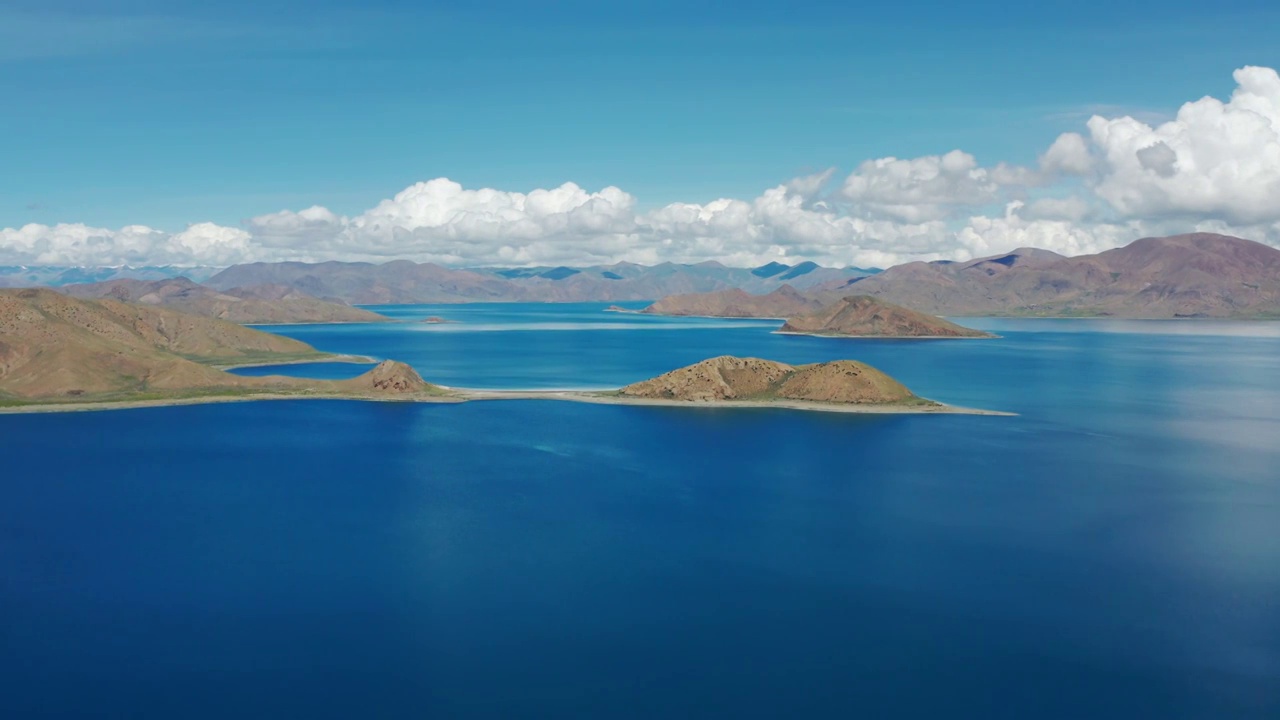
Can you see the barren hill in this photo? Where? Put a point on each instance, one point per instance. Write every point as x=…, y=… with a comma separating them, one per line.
x=258, y=304
x=783, y=302
x=733, y=378
x=866, y=316
x=55, y=348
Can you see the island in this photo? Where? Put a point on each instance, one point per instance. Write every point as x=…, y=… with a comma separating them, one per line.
x=732, y=382
x=870, y=317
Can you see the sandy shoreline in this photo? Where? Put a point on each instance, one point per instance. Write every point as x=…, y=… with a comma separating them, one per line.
x=609, y=399
x=338, y=358
x=460, y=395
x=834, y=336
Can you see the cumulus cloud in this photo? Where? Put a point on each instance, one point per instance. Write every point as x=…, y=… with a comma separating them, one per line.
x=1073, y=208
x=1215, y=166
x=1068, y=155
x=933, y=187
x=1213, y=160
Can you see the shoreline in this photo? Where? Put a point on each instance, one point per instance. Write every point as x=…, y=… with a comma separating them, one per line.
x=812, y=406
x=337, y=358
x=462, y=395
x=886, y=337
x=706, y=317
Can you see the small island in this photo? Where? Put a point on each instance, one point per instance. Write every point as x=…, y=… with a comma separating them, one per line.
x=869, y=317
x=733, y=382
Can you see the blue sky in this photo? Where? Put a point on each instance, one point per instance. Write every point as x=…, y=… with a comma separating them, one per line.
x=168, y=114
x=165, y=113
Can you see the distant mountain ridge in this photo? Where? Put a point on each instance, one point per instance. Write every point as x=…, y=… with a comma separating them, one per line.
x=1182, y=276
x=258, y=304
x=57, y=276
x=402, y=281
x=1194, y=275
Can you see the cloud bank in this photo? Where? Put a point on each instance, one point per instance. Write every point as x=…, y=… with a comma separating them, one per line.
x=1214, y=167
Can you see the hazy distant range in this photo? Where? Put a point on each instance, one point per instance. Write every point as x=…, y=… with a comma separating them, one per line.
x=403, y=281
x=1193, y=275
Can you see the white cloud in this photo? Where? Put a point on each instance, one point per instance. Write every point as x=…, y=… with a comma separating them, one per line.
x=279, y=227
x=209, y=243
x=1215, y=166
x=933, y=187
x=1068, y=155
x=1073, y=208
x=992, y=235
x=1214, y=160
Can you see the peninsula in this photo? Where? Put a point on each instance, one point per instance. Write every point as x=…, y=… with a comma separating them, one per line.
x=58, y=350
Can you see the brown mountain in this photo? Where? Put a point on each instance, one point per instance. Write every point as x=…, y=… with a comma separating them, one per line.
x=866, y=316
x=781, y=303
x=732, y=378
x=257, y=304
x=1197, y=275
x=55, y=348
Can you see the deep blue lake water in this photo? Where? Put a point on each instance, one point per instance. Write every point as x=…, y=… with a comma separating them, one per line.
x=1114, y=551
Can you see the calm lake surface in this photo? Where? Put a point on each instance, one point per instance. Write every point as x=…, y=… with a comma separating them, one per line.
x=1113, y=551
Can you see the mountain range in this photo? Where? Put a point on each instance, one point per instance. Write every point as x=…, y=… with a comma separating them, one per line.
x=57, y=276
x=403, y=281
x=1196, y=275
x=254, y=305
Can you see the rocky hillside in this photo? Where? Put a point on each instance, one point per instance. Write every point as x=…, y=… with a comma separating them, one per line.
x=731, y=378
x=258, y=304
x=51, y=345
x=54, y=348
x=866, y=316
x=783, y=302
x=389, y=377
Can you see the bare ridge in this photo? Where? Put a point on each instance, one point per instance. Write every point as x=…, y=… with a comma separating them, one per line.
x=733, y=378
x=253, y=305
x=866, y=316
x=59, y=349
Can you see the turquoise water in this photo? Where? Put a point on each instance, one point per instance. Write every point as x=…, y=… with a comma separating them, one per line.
x=1113, y=551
